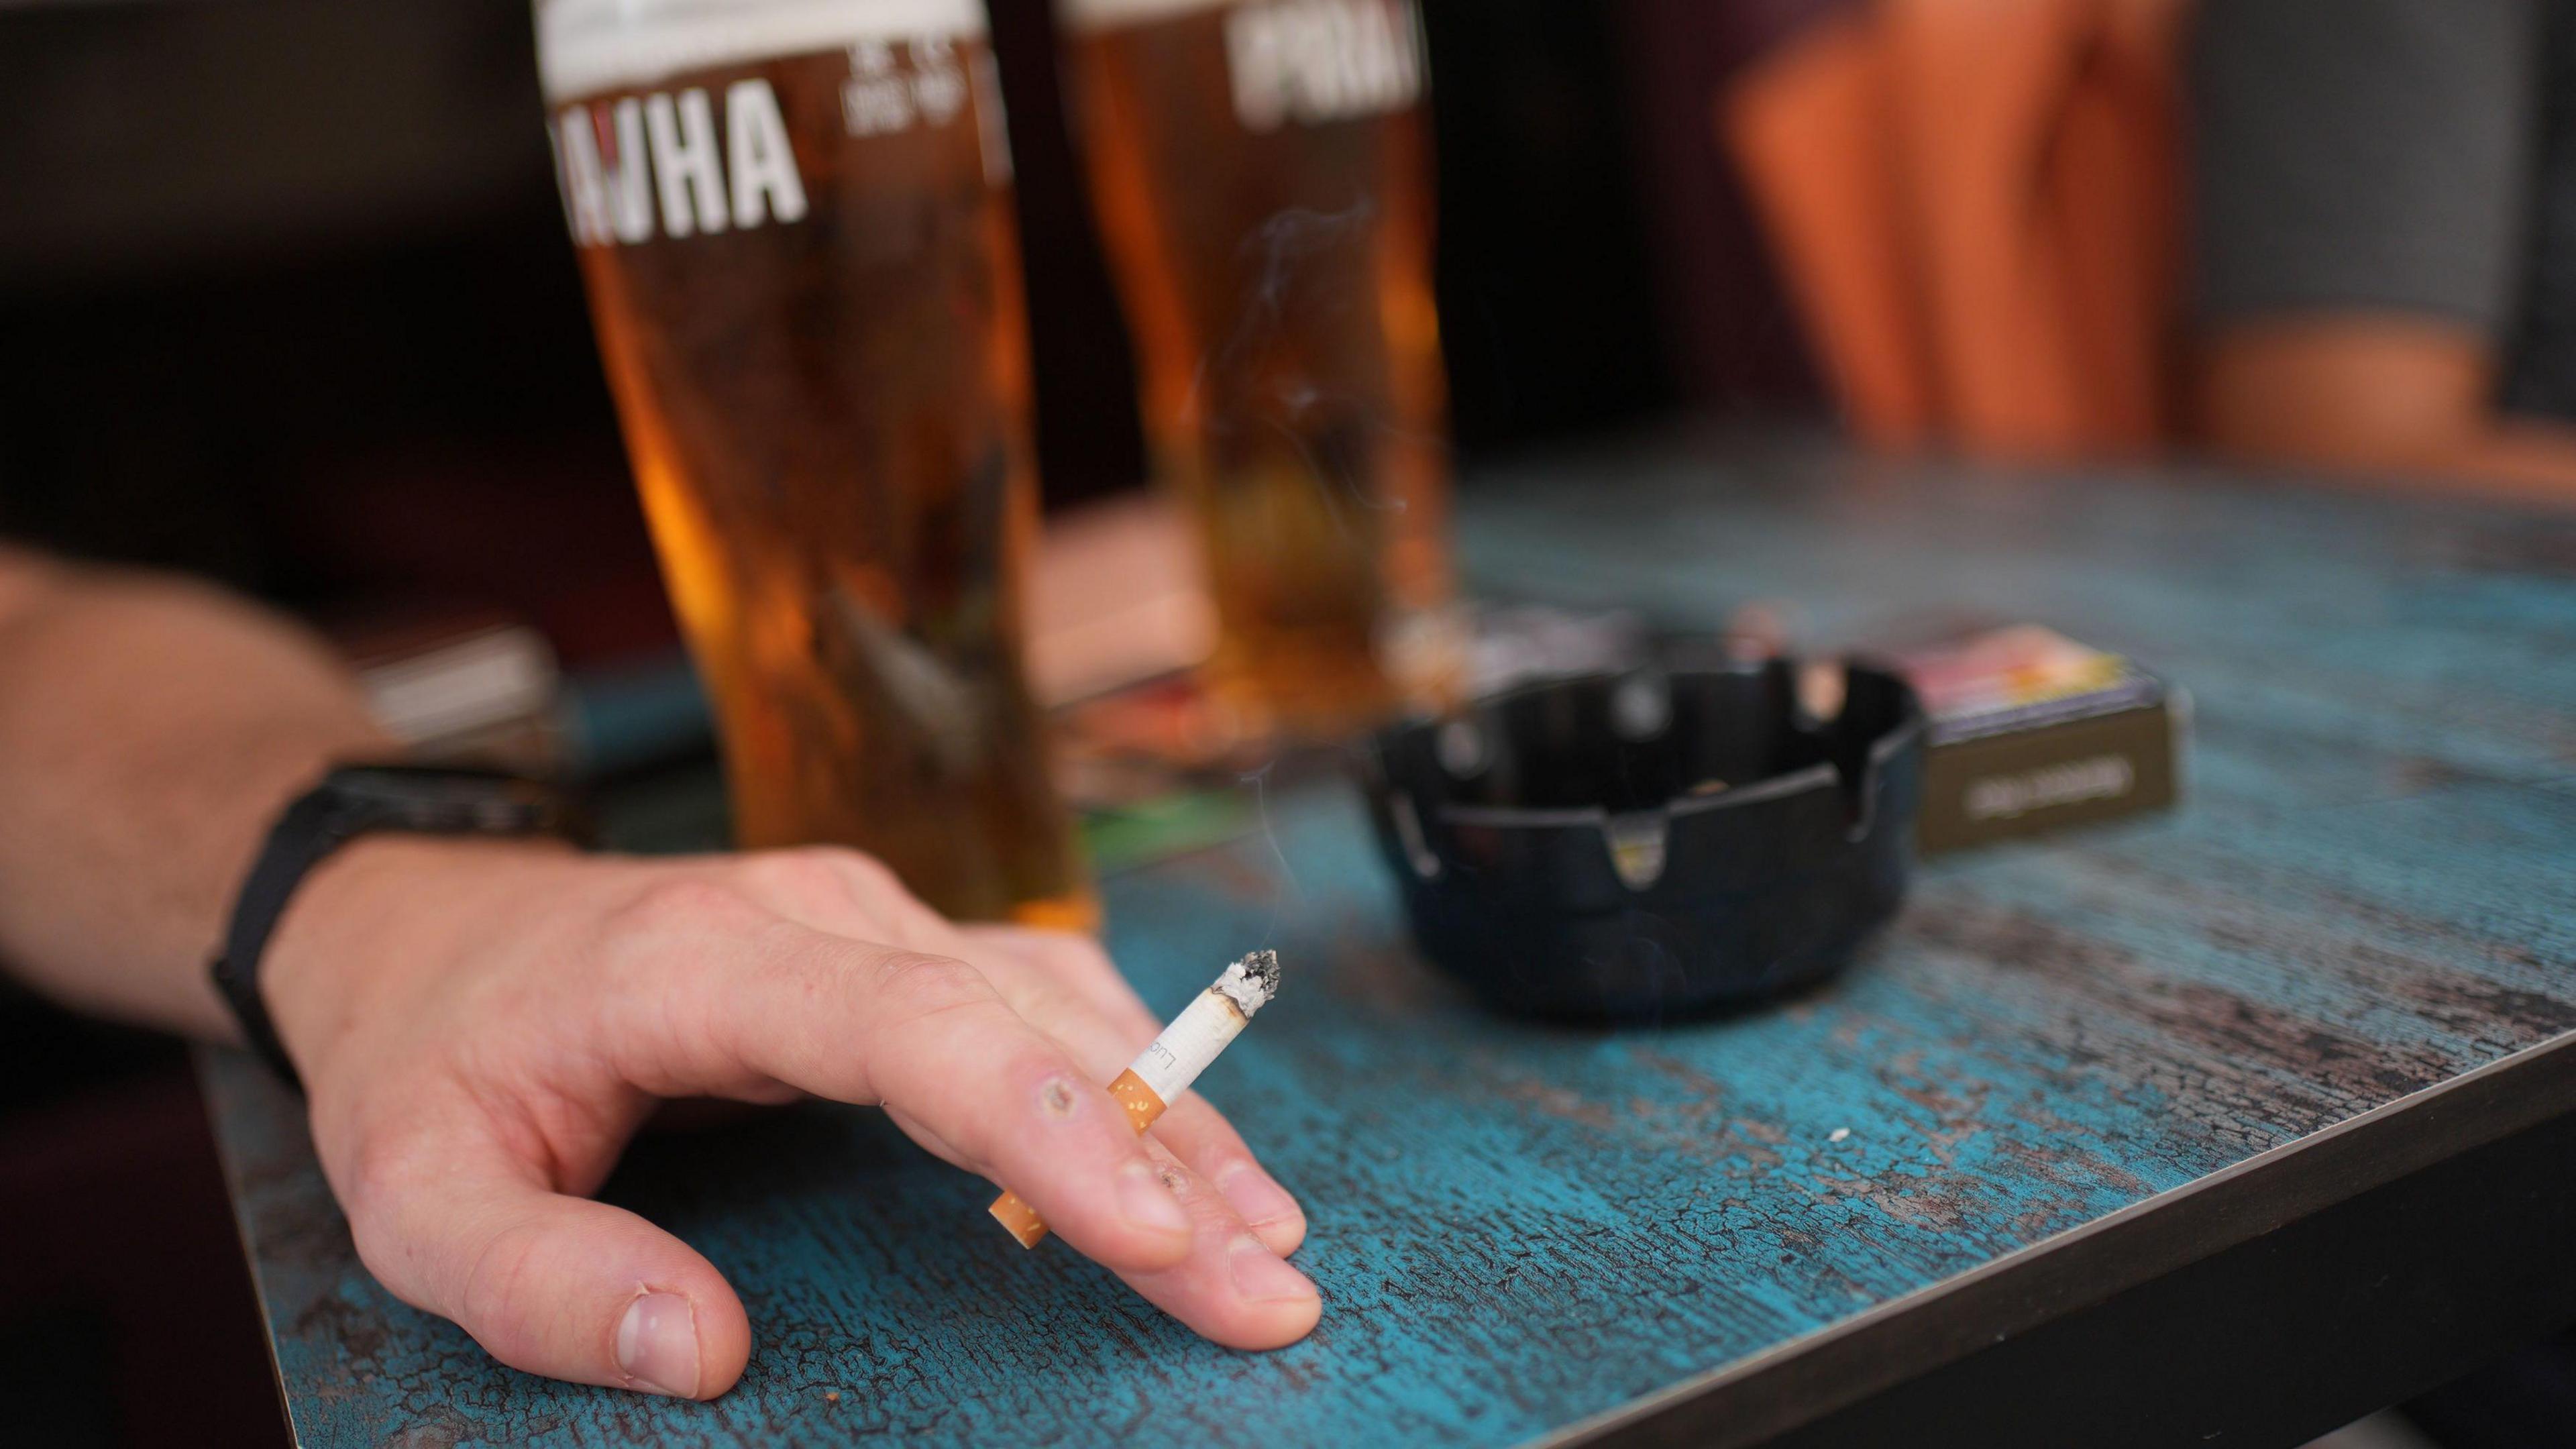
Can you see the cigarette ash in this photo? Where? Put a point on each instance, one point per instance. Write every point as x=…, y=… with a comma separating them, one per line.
x=1251, y=982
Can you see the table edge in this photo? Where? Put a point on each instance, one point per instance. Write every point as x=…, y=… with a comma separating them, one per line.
x=1805, y=1378
x=201, y=1065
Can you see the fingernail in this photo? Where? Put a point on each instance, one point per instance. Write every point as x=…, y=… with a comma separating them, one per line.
x=1261, y=1277
x=1148, y=1203
x=657, y=1345
x=1256, y=1198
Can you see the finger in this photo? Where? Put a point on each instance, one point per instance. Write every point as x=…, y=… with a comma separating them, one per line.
x=1231, y=1289
x=928, y=1037
x=1192, y=1131
x=554, y=1285
x=1199, y=1135
x=1106, y=1030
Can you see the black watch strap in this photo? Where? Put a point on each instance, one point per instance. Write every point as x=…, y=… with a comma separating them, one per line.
x=331, y=815
x=301, y=839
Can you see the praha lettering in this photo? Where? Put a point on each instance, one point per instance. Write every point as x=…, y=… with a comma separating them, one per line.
x=648, y=165
x=1312, y=61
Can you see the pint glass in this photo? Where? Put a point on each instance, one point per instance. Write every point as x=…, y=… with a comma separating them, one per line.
x=1261, y=174
x=794, y=222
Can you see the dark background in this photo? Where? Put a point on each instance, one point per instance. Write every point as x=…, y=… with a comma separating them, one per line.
x=286, y=300
x=287, y=296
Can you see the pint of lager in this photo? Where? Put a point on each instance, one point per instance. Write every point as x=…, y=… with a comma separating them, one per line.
x=794, y=220
x=1261, y=171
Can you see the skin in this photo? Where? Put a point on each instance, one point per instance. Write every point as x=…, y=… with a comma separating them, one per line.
x=2385, y=397
x=483, y=1025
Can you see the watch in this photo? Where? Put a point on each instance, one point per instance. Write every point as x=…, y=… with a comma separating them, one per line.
x=351, y=801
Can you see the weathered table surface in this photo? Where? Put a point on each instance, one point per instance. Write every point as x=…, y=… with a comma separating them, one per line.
x=2069, y=1068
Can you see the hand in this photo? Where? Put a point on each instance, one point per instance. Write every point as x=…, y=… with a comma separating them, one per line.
x=483, y=1025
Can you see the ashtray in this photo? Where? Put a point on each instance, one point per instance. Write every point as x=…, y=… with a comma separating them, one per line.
x=1664, y=841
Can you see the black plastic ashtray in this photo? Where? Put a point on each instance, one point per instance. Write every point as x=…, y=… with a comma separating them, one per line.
x=1650, y=844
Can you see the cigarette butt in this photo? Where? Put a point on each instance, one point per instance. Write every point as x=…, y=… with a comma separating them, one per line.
x=1020, y=1219
x=1142, y=1108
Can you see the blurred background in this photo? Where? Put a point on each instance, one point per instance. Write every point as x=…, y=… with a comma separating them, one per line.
x=287, y=301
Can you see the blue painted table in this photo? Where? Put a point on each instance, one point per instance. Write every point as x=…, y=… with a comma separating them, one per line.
x=2071, y=1072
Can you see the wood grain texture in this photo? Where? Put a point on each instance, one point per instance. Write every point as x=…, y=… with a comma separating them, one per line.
x=2371, y=893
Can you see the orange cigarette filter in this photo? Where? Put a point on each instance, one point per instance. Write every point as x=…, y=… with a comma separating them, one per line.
x=1142, y=1108
x=1165, y=1070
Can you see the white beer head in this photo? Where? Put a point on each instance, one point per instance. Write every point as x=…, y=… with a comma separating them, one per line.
x=1105, y=14
x=635, y=167
x=586, y=47
x=1307, y=62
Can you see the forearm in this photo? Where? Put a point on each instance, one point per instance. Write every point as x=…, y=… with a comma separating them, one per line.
x=150, y=731
x=2524, y=458
x=2504, y=457
x=2485, y=455
x=2403, y=401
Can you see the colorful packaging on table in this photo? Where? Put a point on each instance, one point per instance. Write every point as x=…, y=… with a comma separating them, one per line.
x=2032, y=731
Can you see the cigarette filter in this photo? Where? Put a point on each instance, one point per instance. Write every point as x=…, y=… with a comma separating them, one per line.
x=1165, y=1069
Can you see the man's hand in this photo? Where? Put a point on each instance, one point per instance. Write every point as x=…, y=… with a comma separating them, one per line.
x=482, y=1027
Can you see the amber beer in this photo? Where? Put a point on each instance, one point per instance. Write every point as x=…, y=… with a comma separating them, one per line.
x=794, y=219
x=1261, y=172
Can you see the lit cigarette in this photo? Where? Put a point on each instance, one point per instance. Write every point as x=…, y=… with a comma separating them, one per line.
x=1163, y=1071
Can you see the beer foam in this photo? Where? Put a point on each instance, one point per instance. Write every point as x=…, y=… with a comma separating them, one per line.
x=1108, y=14
x=587, y=47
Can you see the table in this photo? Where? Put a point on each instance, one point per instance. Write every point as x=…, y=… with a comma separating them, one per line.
x=2222, y=1126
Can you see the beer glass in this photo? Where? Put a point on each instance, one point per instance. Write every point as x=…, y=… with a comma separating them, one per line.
x=794, y=222
x=1261, y=175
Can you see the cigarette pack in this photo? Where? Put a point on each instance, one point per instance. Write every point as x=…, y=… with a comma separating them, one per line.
x=2032, y=731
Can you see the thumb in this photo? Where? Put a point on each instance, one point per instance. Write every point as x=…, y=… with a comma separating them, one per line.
x=554, y=1285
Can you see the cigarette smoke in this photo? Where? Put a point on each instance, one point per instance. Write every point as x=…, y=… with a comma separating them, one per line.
x=1283, y=251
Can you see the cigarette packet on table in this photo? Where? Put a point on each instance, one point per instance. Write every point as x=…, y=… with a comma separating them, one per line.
x=2032, y=731
x=1165, y=1069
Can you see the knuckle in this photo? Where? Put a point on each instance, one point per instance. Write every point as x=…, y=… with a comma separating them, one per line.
x=834, y=869
x=492, y=1296
x=865, y=875
x=816, y=874
x=913, y=986
x=1044, y=1003
x=385, y=1254
x=381, y=1167
x=833, y=884
x=1078, y=957
x=375, y=1180
x=676, y=908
